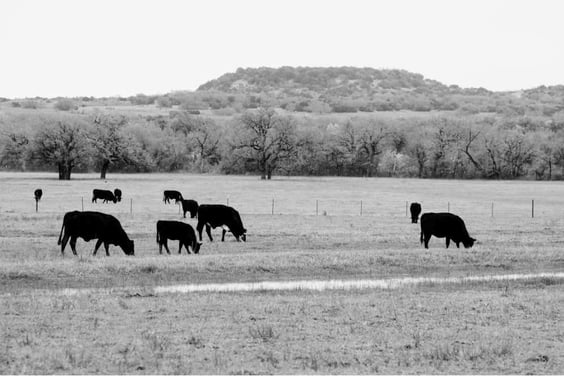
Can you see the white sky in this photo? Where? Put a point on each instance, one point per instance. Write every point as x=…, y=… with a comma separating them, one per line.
x=99, y=48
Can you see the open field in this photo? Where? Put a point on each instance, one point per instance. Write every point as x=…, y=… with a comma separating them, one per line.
x=498, y=327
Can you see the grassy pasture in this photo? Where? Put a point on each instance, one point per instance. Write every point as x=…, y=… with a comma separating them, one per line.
x=512, y=327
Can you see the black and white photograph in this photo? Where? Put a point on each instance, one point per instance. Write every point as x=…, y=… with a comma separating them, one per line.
x=251, y=187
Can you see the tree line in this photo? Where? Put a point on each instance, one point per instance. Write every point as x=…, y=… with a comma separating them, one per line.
x=267, y=141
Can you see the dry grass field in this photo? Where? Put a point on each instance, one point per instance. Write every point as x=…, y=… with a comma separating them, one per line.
x=298, y=229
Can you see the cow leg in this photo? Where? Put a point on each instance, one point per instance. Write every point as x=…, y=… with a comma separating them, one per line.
x=160, y=248
x=447, y=241
x=199, y=228
x=107, y=247
x=457, y=244
x=208, y=231
x=64, y=243
x=73, y=245
x=180, y=246
x=98, y=244
x=165, y=243
x=427, y=238
x=223, y=231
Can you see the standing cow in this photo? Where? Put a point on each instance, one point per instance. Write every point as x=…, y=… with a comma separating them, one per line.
x=117, y=194
x=104, y=195
x=171, y=195
x=445, y=225
x=415, y=209
x=180, y=231
x=94, y=225
x=190, y=206
x=213, y=216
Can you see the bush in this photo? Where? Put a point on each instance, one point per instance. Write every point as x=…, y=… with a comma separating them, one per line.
x=65, y=105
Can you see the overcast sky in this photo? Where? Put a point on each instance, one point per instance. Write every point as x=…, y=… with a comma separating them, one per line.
x=99, y=48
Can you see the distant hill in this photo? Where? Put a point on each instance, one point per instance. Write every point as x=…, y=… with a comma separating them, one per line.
x=350, y=89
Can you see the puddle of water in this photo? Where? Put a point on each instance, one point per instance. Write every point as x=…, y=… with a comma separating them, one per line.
x=386, y=284
x=311, y=285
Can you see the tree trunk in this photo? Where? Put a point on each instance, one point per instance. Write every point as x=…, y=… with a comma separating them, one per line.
x=104, y=170
x=64, y=171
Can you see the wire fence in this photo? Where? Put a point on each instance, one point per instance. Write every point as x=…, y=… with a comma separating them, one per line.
x=299, y=206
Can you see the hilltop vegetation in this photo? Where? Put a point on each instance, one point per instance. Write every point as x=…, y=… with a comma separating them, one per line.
x=296, y=121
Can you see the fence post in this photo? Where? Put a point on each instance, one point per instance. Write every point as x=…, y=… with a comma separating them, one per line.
x=448, y=207
x=272, y=206
x=316, y=207
x=82, y=202
x=361, y=208
x=131, y=206
x=492, y=209
x=533, y=209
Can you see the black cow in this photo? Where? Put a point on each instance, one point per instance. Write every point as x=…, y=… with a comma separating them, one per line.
x=220, y=215
x=415, y=209
x=445, y=225
x=103, y=194
x=180, y=231
x=94, y=225
x=38, y=193
x=190, y=206
x=171, y=195
x=117, y=194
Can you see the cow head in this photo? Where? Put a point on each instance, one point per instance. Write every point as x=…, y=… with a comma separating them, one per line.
x=469, y=242
x=128, y=248
x=244, y=235
x=196, y=248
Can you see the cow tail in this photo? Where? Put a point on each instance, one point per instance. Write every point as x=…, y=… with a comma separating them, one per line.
x=421, y=239
x=61, y=234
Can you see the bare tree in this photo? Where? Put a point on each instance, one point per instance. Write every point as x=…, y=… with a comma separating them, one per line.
x=110, y=146
x=267, y=138
x=62, y=144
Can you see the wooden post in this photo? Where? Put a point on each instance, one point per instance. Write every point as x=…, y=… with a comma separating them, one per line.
x=131, y=206
x=272, y=206
x=533, y=209
x=361, y=208
x=492, y=209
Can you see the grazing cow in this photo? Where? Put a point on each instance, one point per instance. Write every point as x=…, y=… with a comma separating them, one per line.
x=103, y=194
x=415, y=209
x=94, y=225
x=117, y=194
x=180, y=231
x=220, y=215
x=190, y=206
x=171, y=195
x=38, y=193
x=445, y=225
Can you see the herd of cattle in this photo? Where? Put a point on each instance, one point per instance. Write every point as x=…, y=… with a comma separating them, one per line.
x=107, y=229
